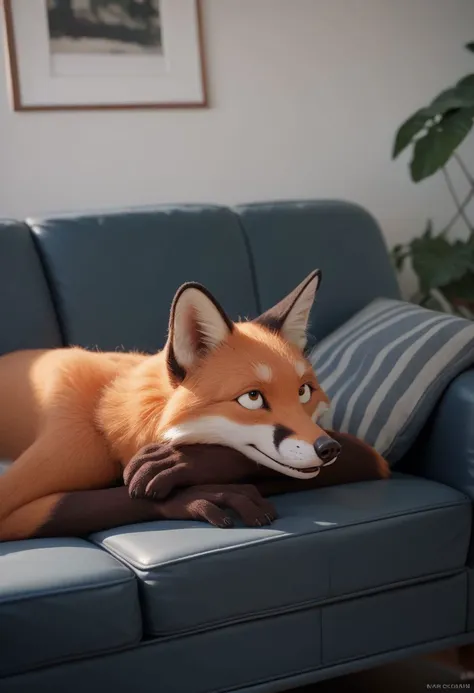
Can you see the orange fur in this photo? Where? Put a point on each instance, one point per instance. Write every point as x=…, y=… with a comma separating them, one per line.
x=72, y=419
x=231, y=372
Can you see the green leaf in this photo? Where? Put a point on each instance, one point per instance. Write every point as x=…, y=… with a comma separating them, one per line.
x=461, y=289
x=408, y=130
x=428, y=232
x=433, y=150
x=437, y=262
x=470, y=46
x=460, y=96
x=467, y=81
x=399, y=255
x=400, y=261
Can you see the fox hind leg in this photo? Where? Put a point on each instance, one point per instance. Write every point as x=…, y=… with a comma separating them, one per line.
x=56, y=462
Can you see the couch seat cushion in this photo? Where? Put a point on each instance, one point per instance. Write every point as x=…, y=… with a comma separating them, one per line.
x=61, y=599
x=327, y=544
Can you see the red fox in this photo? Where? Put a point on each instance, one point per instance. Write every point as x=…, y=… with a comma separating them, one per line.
x=76, y=422
x=72, y=419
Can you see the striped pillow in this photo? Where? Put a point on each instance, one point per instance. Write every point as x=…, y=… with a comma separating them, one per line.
x=385, y=369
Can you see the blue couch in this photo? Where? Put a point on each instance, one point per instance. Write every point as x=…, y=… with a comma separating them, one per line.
x=347, y=578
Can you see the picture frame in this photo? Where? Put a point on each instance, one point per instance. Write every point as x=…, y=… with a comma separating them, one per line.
x=105, y=54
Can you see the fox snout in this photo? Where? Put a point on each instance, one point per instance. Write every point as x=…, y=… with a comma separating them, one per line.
x=301, y=453
x=327, y=449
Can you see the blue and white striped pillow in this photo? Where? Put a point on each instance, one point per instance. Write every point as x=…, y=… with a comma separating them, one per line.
x=385, y=369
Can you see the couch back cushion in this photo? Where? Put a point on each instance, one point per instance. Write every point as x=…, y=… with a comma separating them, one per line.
x=114, y=275
x=287, y=240
x=27, y=316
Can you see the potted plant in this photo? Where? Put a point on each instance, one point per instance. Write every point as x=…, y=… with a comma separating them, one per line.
x=444, y=266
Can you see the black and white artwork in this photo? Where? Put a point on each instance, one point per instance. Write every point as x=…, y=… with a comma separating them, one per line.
x=104, y=54
x=110, y=27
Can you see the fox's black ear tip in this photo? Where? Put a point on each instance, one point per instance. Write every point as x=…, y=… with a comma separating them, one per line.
x=193, y=288
x=317, y=275
x=189, y=285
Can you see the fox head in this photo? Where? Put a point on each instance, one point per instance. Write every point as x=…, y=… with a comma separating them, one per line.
x=247, y=385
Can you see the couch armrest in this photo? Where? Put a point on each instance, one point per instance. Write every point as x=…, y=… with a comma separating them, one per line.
x=445, y=452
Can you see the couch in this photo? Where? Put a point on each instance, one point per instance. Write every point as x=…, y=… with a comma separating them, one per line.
x=347, y=578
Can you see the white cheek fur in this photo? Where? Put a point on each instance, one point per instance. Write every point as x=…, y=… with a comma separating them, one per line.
x=222, y=431
x=298, y=451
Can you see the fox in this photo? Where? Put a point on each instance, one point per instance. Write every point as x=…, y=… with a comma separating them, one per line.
x=94, y=438
x=71, y=418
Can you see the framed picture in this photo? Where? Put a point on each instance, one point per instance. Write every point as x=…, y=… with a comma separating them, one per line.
x=105, y=54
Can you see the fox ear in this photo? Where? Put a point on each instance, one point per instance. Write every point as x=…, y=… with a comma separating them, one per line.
x=198, y=324
x=290, y=316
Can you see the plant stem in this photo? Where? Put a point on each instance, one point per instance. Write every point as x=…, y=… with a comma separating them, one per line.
x=456, y=216
x=457, y=201
x=464, y=168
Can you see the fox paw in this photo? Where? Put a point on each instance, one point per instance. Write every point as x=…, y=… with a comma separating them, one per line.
x=216, y=504
x=154, y=472
x=158, y=469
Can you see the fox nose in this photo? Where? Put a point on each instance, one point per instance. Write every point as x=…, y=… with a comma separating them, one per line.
x=327, y=449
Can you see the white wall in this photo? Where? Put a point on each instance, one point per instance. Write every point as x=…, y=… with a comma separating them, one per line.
x=305, y=98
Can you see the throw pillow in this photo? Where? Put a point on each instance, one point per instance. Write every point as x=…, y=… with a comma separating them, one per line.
x=385, y=369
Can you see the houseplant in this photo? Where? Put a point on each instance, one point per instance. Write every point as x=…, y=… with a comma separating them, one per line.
x=444, y=266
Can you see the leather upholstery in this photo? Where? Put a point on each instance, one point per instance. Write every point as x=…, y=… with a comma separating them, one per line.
x=347, y=574
x=271, y=654
x=470, y=600
x=115, y=274
x=328, y=543
x=288, y=240
x=378, y=622
x=60, y=599
x=27, y=315
x=446, y=450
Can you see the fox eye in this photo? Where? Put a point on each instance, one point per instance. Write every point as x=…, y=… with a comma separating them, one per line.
x=304, y=393
x=251, y=400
